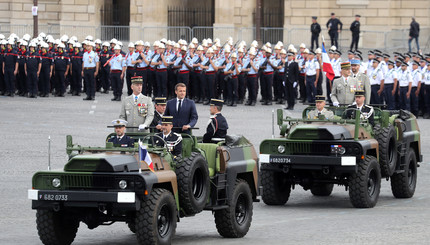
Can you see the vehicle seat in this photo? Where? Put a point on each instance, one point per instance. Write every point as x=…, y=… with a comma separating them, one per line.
x=211, y=157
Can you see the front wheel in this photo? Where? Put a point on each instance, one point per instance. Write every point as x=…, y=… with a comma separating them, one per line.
x=276, y=187
x=365, y=185
x=234, y=221
x=155, y=222
x=56, y=227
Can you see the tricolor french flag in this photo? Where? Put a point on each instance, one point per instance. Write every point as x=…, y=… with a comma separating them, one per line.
x=145, y=157
x=326, y=64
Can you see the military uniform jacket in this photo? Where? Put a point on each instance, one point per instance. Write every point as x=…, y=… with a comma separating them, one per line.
x=157, y=119
x=314, y=114
x=344, y=93
x=355, y=27
x=217, y=128
x=137, y=112
x=315, y=28
x=364, y=84
x=366, y=113
x=33, y=61
x=173, y=140
x=125, y=141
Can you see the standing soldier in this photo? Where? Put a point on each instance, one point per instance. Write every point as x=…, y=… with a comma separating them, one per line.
x=141, y=63
x=232, y=69
x=183, y=66
x=117, y=69
x=376, y=77
x=10, y=68
x=241, y=77
x=334, y=26
x=46, y=70
x=355, y=29
x=209, y=68
x=129, y=58
x=312, y=73
x=137, y=109
x=198, y=88
x=426, y=79
x=315, y=30
x=105, y=55
x=267, y=78
x=3, y=44
x=416, y=86
x=252, y=68
x=21, y=77
x=61, y=68
x=160, y=63
x=291, y=78
x=301, y=59
x=32, y=67
x=76, y=69
x=90, y=67
x=343, y=89
x=363, y=79
x=390, y=85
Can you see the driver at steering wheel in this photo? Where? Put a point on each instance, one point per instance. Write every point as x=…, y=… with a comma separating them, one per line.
x=366, y=110
x=173, y=140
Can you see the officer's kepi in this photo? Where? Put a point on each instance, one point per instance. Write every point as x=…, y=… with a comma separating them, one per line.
x=137, y=80
x=119, y=123
x=217, y=102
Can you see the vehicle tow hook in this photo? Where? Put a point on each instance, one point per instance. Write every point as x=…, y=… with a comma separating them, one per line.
x=326, y=170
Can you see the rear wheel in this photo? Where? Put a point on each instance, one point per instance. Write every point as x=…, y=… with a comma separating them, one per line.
x=322, y=189
x=56, y=227
x=234, y=221
x=403, y=184
x=365, y=185
x=276, y=187
x=193, y=183
x=156, y=220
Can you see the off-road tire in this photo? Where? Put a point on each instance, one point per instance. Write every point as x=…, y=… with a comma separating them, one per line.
x=276, y=188
x=387, y=149
x=156, y=220
x=403, y=184
x=55, y=228
x=234, y=221
x=193, y=183
x=365, y=185
x=132, y=226
x=322, y=190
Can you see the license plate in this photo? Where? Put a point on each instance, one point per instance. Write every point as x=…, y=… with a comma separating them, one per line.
x=53, y=197
x=280, y=159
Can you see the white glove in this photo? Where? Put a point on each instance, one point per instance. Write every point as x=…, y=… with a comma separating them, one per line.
x=336, y=104
x=294, y=84
x=142, y=127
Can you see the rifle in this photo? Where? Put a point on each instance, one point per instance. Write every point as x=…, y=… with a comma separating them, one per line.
x=229, y=76
x=173, y=60
x=197, y=61
x=207, y=64
x=158, y=60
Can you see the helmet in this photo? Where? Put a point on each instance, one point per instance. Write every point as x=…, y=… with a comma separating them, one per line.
x=2, y=37
x=11, y=42
x=44, y=45
x=74, y=38
x=42, y=35
x=32, y=44
x=24, y=43
x=105, y=44
x=77, y=45
x=139, y=42
x=113, y=40
x=61, y=45
x=89, y=38
x=147, y=44
x=26, y=37
x=131, y=45
x=98, y=41
x=64, y=38
x=119, y=43
x=117, y=47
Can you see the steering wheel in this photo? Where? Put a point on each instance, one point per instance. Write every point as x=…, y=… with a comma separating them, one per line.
x=349, y=109
x=153, y=144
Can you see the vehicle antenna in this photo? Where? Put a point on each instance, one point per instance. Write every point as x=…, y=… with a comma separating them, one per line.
x=49, y=153
x=273, y=123
x=140, y=157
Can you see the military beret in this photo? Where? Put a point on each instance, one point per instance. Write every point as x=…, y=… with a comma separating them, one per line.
x=119, y=123
x=167, y=119
x=355, y=62
x=217, y=102
x=160, y=100
x=319, y=98
x=359, y=93
x=137, y=80
x=345, y=65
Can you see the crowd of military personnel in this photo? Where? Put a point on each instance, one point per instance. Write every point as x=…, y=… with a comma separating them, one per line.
x=231, y=71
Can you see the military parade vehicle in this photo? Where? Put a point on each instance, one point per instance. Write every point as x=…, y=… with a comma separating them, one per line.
x=320, y=153
x=103, y=185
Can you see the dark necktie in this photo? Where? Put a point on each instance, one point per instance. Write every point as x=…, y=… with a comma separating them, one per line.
x=179, y=105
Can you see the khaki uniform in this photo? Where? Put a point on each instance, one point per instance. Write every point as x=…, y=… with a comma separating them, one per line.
x=345, y=93
x=314, y=114
x=364, y=79
x=136, y=113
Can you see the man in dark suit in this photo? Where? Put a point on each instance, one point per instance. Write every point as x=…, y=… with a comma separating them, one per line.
x=121, y=140
x=291, y=77
x=365, y=110
x=217, y=127
x=173, y=140
x=183, y=111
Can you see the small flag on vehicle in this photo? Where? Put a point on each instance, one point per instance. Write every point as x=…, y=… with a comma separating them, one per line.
x=144, y=156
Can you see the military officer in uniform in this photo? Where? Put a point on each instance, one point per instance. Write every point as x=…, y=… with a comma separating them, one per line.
x=172, y=139
x=160, y=108
x=217, y=126
x=343, y=88
x=120, y=139
x=137, y=108
x=366, y=112
x=320, y=110
x=362, y=78
x=90, y=67
x=355, y=29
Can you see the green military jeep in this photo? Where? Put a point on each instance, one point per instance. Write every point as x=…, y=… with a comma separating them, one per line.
x=103, y=185
x=319, y=153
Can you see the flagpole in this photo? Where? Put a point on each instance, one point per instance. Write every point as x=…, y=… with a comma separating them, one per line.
x=140, y=158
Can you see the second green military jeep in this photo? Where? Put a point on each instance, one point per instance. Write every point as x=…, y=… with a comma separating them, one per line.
x=318, y=154
x=103, y=185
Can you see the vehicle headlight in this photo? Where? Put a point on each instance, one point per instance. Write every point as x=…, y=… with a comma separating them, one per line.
x=122, y=184
x=56, y=182
x=281, y=149
x=342, y=150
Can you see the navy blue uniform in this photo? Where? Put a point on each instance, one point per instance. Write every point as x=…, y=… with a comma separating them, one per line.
x=76, y=70
x=10, y=60
x=125, y=141
x=105, y=55
x=61, y=63
x=217, y=128
x=173, y=140
x=21, y=78
x=45, y=74
x=33, y=61
x=2, y=84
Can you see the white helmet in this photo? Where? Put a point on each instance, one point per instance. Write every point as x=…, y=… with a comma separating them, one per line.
x=91, y=44
x=195, y=41
x=44, y=45
x=2, y=37
x=117, y=47
x=4, y=42
x=177, y=45
x=105, y=44
x=161, y=46
x=139, y=43
x=32, y=44
x=64, y=38
x=113, y=40
x=156, y=43
x=57, y=41
x=26, y=37
x=119, y=43
x=163, y=40
x=89, y=38
x=147, y=44
x=131, y=45
x=74, y=38
x=24, y=43
x=77, y=45
x=191, y=46
x=11, y=42
x=42, y=35
x=98, y=41
x=61, y=45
